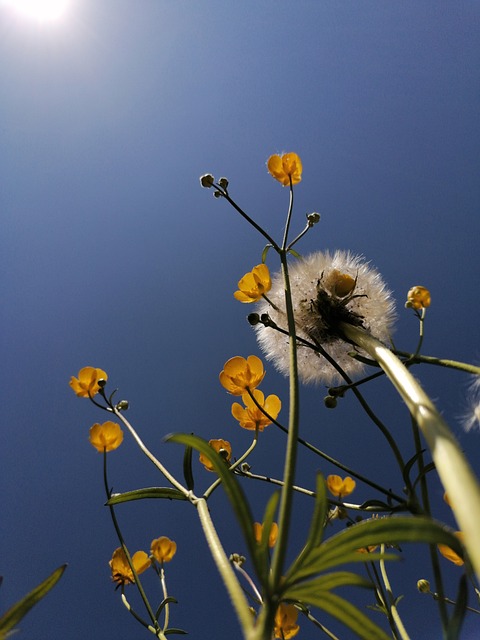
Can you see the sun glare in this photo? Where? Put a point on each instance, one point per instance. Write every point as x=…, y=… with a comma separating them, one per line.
x=41, y=10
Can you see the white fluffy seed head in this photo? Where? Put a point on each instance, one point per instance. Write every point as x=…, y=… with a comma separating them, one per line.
x=471, y=419
x=318, y=311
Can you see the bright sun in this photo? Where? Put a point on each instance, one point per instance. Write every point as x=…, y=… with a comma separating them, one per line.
x=41, y=10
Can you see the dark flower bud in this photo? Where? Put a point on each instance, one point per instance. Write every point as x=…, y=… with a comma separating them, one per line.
x=330, y=402
x=122, y=405
x=101, y=382
x=313, y=218
x=253, y=319
x=207, y=180
x=223, y=182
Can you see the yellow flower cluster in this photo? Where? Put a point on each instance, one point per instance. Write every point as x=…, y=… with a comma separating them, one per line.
x=161, y=549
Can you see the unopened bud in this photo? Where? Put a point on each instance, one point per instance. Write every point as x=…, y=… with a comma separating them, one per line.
x=101, y=382
x=330, y=402
x=253, y=319
x=223, y=182
x=207, y=180
x=122, y=405
x=313, y=218
x=423, y=586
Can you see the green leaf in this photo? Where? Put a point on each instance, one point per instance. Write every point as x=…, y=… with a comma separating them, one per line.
x=232, y=489
x=265, y=251
x=172, y=630
x=163, y=604
x=317, y=525
x=342, y=547
x=345, y=612
x=326, y=582
x=456, y=621
x=145, y=494
x=187, y=468
x=12, y=617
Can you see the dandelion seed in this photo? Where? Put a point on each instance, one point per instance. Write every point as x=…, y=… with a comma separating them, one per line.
x=471, y=419
x=327, y=289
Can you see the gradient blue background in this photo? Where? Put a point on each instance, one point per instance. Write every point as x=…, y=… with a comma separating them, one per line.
x=112, y=256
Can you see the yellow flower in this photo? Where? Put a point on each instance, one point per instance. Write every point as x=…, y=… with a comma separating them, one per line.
x=418, y=298
x=239, y=374
x=251, y=417
x=339, y=487
x=449, y=553
x=87, y=381
x=285, y=168
x=106, y=437
x=272, y=536
x=121, y=571
x=370, y=549
x=222, y=447
x=341, y=284
x=254, y=284
x=285, y=626
x=163, y=549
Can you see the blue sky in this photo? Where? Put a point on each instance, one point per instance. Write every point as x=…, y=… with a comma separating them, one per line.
x=112, y=256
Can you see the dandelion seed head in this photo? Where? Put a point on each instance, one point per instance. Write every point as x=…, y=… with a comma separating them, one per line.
x=471, y=419
x=327, y=288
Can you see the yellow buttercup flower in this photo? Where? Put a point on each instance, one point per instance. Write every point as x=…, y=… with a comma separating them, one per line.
x=87, y=381
x=251, y=417
x=418, y=298
x=239, y=374
x=254, y=284
x=163, y=549
x=121, y=572
x=340, y=487
x=449, y=553
x=220, y=446
x=285, y=626
x=106, y=437
x=285, y=168
x=272, y=536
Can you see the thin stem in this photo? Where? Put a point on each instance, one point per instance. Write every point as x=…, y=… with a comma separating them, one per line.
x=426, y=506
x=234, y=466
x=392, y=606
x=455, y=473
x=138, y=584
x=165, y=596
x=173, y=481
x=289, y=217
x=224, y=567
x=412, y=358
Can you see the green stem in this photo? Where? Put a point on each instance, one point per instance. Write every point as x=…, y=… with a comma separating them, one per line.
x=391, y=605
x=440, y=362
x=225, y=569
x=455, y=473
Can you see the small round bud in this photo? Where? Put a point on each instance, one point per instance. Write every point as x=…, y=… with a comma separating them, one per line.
x=423, y=586
x=101, y=383
x=418, y=298
x=330, y=402
x=207, y=180
x=224, y=453
x=253, y=319
x=223, y=182
x=217, y=194
x=236, y=558
x=122, y=405
x=313, y=218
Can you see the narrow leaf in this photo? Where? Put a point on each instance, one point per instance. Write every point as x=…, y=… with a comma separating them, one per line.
x=187, y=468
x=145, y=494
x=326, y=582
x=232, y=489
x=456, y=621
x=13, y=616
x=345, y=612
x=391, y=530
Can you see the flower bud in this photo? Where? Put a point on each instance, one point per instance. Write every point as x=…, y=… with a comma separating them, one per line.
x=330, y=402
x=101, y=382
x=313, y=218
x=253, y=319
x=423, y=586
x=223, y=182
x=207, y=180
x=122, y=405
x=418, y=298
